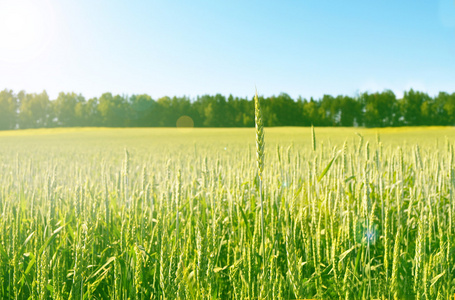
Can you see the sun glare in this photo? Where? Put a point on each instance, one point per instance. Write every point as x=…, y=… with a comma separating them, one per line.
x=26, y=28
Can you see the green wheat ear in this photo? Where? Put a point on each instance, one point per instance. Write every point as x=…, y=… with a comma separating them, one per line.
x=259, y=135
x=260, y=161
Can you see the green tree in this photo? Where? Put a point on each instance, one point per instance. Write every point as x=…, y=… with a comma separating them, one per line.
x=348, y=111
x=311, y=114
x=444, y=109
x=283, y=110
x=328, y=111
x=161, y=115
x=180, y=106
x=87, y=114
x=65, y=109
x=113, y=110
x=380, y=109
x=212, y=110
x=35, y=110
x=141, y=107
x=8, y=110
x=411, y=107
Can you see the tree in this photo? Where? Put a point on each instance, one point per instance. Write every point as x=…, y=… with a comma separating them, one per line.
x=212, y=110
x=348, y=110
x=8, y=110
x=311, y=114
x=141, y=107
x=283, y=109
x=114, y=110
x=328, y=111
x=161, y=114
x=443, y=109
x=65, y=109
x=380, y=109
x=411, y=107
x=87, y=114
x=35, y=110
x=180, y=106
x=371, y=110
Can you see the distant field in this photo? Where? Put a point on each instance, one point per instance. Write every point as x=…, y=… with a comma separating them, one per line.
x=169, y=213
x=150, y=137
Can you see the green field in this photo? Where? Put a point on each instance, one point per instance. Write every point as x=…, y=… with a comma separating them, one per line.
x=95, y=213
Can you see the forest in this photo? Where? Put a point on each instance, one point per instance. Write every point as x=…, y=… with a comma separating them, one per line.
x=381, y=109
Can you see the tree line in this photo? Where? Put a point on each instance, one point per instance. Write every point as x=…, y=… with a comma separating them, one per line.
x=380, y=109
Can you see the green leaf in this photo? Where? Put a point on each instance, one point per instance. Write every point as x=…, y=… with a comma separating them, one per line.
x=33, y=260
x=218, y=269
x=111, y=259
x=26, y=241
x=3, y=252
x=345, y=253
x=328, y=166
x=246, y=222
x=50, y=239
x=436, y=278
x=349, y=178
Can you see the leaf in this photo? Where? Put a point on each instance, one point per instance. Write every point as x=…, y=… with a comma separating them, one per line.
x=111, y=259
x=92, y=286
x=246, y=222
x=30, y=264
x=33, y=260
x=357, y=260
x=328, y=166
x=349, y=178
x=218, y=269
x=436, y=278
x=50, y=239
x=26, y=241
x=345, y=253
x=297, y=193
x=3, y=252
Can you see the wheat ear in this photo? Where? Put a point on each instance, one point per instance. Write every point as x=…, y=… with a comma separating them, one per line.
x=260, y=158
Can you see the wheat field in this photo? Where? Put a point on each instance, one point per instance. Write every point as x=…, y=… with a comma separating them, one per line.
x=348, y=213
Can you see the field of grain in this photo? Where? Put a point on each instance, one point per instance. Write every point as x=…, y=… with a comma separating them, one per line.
x=353, y=213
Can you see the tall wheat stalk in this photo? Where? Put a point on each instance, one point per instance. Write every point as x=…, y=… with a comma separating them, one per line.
x=260, y=158
x=313, y=138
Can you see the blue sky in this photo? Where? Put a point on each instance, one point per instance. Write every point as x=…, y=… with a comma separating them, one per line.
x=306, y=48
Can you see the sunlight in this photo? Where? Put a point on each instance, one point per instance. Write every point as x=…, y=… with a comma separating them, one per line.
x=26, y=28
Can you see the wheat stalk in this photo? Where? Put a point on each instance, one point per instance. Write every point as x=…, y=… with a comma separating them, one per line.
x=313, y=138
x=260, y=158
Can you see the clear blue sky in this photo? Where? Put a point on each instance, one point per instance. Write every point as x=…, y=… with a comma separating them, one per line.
x=306, y=48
